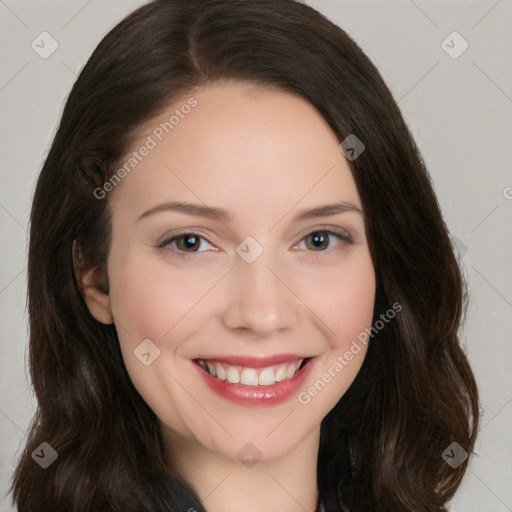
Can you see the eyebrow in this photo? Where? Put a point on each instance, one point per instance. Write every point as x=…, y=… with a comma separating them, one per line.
x=327, y=210
x=224, y=215
x=191, y=209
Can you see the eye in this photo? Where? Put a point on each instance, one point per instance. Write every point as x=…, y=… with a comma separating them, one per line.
x=187, y=242
x=322, y=239
x=319, y=240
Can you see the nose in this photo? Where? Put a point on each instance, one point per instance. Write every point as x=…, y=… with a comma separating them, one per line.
x=259, y=298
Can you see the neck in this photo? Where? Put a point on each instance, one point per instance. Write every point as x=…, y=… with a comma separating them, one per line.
x=223, y=484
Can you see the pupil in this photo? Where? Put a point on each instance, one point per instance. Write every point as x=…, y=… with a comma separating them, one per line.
x=319, y=240
x=190, y=241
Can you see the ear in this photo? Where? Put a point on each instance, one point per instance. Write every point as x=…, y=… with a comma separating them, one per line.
x=92, y=283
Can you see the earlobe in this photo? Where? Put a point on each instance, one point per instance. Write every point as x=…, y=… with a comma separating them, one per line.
x=91, y=283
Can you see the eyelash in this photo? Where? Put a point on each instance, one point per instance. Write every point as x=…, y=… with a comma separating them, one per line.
x=341, y=235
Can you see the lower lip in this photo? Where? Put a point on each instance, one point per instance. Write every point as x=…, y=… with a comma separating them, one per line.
x=257, y=396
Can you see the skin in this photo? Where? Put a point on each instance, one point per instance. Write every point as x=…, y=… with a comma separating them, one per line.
x=264, y=155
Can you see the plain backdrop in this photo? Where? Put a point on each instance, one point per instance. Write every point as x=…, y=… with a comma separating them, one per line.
x=457, y=102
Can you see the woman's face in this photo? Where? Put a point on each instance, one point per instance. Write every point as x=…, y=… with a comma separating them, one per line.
x=238, y=245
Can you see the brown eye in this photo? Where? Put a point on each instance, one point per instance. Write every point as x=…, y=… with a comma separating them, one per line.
x=318, y=240
x=188, y=242
x=323, y=240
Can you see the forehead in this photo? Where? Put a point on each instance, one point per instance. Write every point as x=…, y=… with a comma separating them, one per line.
x=238, y=143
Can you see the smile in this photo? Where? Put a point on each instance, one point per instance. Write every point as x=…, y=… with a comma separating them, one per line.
x=255, y=381
x=251, y=376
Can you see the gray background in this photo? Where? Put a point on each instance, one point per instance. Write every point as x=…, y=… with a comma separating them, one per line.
x=459, y=110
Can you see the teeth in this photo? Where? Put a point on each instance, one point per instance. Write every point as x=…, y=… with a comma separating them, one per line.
x=233, y=375
x=281, y=374
x=221, y=373
x=211, y=368
x=290, y=371
x=266, y=377
x=250, y=376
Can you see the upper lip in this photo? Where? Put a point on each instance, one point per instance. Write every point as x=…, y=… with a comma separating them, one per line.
x=254, y=361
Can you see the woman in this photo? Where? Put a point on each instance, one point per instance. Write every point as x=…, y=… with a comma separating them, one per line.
x=242, y=293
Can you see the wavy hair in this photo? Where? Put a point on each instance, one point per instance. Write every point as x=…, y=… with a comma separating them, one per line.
x=381, y=445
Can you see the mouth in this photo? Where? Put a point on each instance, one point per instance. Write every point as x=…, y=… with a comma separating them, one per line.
x=247, y=376
x=257, y=381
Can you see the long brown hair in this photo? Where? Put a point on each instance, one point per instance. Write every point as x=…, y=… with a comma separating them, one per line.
x=415, y=394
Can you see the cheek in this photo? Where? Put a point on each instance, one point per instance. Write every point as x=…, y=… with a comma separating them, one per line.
x=356, y=303
x=345, y=306
x=138, y=303
x=149, y=304
x=144, y=308
x=149, y=299
x=157, y=302
x=344, y=300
